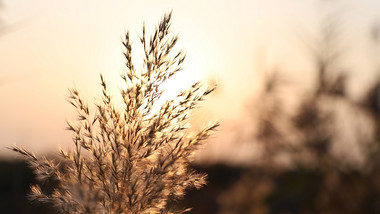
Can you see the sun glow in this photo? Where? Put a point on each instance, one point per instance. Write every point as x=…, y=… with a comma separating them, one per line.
x=182, y=80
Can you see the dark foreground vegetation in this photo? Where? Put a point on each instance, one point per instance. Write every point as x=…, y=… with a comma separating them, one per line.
x=233, y=190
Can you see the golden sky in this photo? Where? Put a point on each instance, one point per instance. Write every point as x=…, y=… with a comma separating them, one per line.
x=53, y=45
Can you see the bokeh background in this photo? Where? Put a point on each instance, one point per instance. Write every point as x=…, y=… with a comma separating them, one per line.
x=298, y=94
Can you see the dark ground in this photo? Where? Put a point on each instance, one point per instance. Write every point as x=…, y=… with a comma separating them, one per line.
x=260, y=192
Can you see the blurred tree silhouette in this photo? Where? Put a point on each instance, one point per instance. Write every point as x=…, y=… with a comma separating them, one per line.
x=301, y=170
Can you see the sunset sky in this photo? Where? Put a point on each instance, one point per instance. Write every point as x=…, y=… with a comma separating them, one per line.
x=49, y=46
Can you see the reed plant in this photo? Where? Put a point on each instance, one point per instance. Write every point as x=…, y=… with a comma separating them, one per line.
x=132, y=159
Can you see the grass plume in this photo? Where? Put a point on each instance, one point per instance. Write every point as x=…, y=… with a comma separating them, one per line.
x=132, y=160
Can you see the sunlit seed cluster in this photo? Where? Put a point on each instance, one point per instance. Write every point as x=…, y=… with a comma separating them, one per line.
x=132, y=160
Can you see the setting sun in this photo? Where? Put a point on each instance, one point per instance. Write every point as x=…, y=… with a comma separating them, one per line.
x=191, y=73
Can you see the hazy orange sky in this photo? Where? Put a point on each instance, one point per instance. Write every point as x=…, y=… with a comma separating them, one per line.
x=52, y=45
